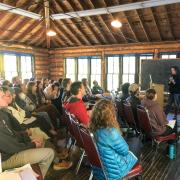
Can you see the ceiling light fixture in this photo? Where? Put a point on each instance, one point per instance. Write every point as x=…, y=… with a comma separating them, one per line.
x=19, y=11
x=116, y=24
x=51, y=33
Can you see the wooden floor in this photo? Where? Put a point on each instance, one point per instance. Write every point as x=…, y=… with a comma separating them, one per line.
x=162, y=169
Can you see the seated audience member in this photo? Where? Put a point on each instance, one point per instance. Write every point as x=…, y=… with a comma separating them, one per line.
x=75, y=105
x=158, y=120
x=60, y=81
x=125, y=92
x=17, y=149
x=24, y=118
x=49, y=108
x=24, y=85
x=40, y=94
x=16, y=81
x=6, y=83
x=96, y=88
x=117, y=157
x=45, y=82
x=52, y=91
x=120, y=104
x=86, y=86
x=66, y=84
x=134, y=100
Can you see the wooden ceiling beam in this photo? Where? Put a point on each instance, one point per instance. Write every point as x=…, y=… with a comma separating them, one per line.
x=116, y=2
x=119, y=29
x=27, y=32
x=99, y=35
x=142, y=25
x=102, y=25
x=156, y=25
x=65, y=40
x=36, y=36
x=64, y=28
x=18, y=28
x=47, y=21
x=73, y=25
x=79, y=7
x=169, y=23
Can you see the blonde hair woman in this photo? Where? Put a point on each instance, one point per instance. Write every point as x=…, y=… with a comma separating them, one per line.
x=116, y=157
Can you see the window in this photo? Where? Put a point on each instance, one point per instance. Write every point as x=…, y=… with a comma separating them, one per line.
x=145, y=57
x=16, y=65
x=10, y=67
x=26, y=67
x=168, y=56
x=71, y=69
x=129, y=68
x=82, y=68
x=113, y=73
x=95, y=70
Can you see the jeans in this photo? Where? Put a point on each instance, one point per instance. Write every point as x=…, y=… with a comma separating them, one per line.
x=41, y=156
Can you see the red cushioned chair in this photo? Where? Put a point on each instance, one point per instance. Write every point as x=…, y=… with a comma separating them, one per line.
x=143, y=116
x=37, y=170
x=129, y=117
x=91, y=150
x=136, y=171
x=79, y=142
x=94, y=158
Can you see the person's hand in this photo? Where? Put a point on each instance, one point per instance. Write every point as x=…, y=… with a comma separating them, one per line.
x=29, y=132
x=37, y=142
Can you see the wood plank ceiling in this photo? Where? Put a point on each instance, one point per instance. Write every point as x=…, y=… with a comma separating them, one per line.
x=144, y=25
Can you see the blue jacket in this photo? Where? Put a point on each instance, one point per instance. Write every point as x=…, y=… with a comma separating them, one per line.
x=114, y=153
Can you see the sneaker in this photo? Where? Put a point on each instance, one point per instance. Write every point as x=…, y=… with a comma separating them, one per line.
x=62, y=165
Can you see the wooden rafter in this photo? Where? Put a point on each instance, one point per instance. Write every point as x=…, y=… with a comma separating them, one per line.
x=64, y=29
x=27, y=32
x=73, y=25
x=169, y=23
x=143, y=26
x=31, y=34
x=65, y=40
x=123, y=14
x=112, y=18
x=18, y=28
x=99, y=35
x=156, y=25
x=36, y=36
x=47, y=21
x=8, y=24
x=70, y=32
x=78, y=7
x=103, y=24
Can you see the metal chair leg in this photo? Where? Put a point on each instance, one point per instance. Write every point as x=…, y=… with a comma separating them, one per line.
x=79, y=162
x=91, y=176
x=157, y=145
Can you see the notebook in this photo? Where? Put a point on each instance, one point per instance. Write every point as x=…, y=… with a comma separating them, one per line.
x=172, y=123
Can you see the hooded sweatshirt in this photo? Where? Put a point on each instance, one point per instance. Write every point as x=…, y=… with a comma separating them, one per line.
x=157, y=116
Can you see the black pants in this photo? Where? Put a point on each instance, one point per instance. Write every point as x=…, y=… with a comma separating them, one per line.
x=170, y=102
x=135, y=146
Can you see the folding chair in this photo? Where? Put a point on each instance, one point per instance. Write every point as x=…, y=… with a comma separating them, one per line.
x=129, y=117
x=91, y=151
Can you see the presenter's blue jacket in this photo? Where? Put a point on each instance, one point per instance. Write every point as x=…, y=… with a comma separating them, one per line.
x=114, y=153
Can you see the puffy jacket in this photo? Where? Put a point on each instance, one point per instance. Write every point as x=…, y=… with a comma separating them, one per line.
x=114, y=153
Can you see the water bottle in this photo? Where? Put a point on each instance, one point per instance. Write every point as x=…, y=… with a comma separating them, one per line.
x=171, y=151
